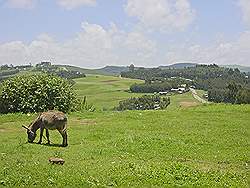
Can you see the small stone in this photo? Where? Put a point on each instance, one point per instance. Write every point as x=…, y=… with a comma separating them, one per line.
x=55, y=160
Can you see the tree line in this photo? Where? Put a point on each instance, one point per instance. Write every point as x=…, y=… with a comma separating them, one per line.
x=160, y=85
x=46, y=67
x=223, y=84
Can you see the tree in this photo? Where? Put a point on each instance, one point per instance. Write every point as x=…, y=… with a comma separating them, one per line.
x=243, y=96
x=146, y=102
x=131, y=67
x=232, y=93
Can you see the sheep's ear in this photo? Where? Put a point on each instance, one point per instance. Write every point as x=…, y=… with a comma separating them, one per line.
x=25, y=127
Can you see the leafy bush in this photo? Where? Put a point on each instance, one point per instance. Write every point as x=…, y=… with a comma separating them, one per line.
x=36, y=93
x=146, y=102
x=82, y=105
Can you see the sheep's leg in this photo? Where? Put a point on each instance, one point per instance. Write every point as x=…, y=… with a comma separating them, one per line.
x=64, y=136
x=47, y=135
x=41, y=135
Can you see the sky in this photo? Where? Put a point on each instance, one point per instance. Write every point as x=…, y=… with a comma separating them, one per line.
x=150, y=33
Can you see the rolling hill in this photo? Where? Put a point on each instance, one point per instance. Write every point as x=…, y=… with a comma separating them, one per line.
x=178, y=66
x=107, y=70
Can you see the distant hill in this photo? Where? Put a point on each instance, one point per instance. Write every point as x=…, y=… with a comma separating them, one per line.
x=241, y=68
x=107, y=70
x=113, y=70
x=185, y=65
x=82, y=70
x=178, y=66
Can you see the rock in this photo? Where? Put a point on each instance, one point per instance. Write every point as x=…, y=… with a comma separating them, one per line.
x=55, y=160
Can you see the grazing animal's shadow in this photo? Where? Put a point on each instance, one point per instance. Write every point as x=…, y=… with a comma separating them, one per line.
x=52, y=145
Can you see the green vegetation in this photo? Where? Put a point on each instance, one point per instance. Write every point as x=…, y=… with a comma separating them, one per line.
x=223, y=84
x=200, y=93
x=104, y=92
x=160, y=85
x=198, y=146
x=5, y=74
x=184, y=100
x=36, y=93
x=204, y=145
x=241, y=68
x=47, y=67
x=146, y=102
x=108, y=70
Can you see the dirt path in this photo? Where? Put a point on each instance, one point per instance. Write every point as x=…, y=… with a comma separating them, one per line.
x=197, y=97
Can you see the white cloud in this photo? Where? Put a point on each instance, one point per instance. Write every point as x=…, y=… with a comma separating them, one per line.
x=13, y=51
x=24, y=4
x=163, y=15
x=245, y=6
x=93, y=47
x=71, y=4
x=222, y=53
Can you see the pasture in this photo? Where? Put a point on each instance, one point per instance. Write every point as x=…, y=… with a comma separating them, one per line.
x=188, y=144
x=199, y=146
x=105, y=92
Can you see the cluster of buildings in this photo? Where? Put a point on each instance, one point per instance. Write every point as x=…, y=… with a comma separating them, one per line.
x=180, y=90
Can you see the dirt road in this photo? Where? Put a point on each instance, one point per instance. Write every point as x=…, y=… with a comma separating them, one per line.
x=197, y=97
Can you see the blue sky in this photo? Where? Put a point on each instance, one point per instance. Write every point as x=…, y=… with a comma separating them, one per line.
x=95, y=33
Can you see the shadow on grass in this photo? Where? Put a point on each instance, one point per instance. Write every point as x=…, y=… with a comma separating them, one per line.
x=52, y=145
x=48, y=145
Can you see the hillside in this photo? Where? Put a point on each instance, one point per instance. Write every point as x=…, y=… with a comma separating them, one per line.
x=107, y=70
x=105, y=92
x=178, y=66
x=82, y=70
x=133, y=149
x=113, y=70
x=176, y=147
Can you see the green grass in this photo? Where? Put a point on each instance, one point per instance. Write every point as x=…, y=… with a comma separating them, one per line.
x=199, y=146
x=182, y=100
x=104, y=92
x=205, y=145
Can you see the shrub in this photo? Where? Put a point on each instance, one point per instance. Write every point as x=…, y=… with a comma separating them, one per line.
x=146, y=102
x=82, y=105
x=36, y=93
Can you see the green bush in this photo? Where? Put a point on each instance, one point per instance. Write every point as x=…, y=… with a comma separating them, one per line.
x=36, y=93
x=146, y=102
x=82, y=105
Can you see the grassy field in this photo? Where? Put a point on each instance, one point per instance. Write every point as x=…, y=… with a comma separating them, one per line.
x=188, y=144
x=199, y=146
x=183, y=100
x=105, y=92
